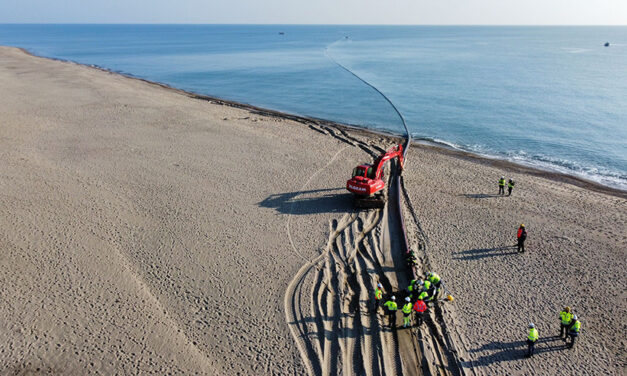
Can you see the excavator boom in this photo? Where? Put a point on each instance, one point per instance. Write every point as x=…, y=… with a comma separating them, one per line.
x=395, y=152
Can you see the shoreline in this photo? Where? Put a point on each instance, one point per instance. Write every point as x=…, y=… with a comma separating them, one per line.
x=141, y=225
x=353, y=128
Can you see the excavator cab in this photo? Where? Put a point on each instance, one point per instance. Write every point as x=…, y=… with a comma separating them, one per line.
x=358, y=171
x=366, y=171
x=370, y=173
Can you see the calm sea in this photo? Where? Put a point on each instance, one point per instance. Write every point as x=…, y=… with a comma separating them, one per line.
x=550, y=97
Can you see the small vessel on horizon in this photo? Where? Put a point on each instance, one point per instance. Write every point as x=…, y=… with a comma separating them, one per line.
x=607, y=44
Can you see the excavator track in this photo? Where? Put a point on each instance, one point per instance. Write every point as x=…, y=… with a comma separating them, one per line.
x=376, y=202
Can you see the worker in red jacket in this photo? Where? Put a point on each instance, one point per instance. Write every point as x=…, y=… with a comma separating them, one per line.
x=522, y=236
x=419, y=307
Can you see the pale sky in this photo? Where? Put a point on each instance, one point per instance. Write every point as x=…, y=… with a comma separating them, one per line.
x=413, y=12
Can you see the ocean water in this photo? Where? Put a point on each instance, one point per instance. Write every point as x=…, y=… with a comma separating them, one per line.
x=550, y=97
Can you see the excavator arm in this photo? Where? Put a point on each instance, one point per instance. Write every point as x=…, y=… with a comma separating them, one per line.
x=394, y=152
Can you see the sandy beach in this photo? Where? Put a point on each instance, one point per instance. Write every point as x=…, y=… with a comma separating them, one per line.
x=148, y=230
x=575, y=256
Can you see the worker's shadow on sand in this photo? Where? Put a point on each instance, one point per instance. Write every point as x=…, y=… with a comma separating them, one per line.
x=479, y=253
x=481, y=195
x=310, y=202
x=380, y=270
x=320, y=333
x=509, y=351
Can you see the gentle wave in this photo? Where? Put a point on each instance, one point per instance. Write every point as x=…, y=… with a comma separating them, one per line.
x=604, y=176
x=596, y=174
x=555, y=95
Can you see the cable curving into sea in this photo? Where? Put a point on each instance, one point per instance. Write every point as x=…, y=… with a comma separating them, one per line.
x=407, y=133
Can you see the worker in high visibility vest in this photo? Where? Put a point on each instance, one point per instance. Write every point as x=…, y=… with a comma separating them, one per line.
x=430, y=289
x=502, y=185
x=406, y=312
x=411, y=259
x=390, y=309
x=434, y=278
x=435, y=282
x=412, y=286
x=573, y=331
x=415, y=288
x=510, y=186
x=378, y=297
x=426, y=285
x=532, y=337
x=424, y=296
x=566, y=318
x=419, y=307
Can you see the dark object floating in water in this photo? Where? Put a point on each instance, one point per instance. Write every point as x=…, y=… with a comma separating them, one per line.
x=281, y=33
x=607, y=44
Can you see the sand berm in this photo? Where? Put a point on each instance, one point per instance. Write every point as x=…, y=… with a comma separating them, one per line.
x=147, y=230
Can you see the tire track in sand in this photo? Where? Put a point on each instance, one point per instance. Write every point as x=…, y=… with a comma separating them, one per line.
x=326, y=300
x=294, y=289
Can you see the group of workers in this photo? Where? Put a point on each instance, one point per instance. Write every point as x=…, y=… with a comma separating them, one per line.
x=417, y=293
x=569, y=328
x=510, y=186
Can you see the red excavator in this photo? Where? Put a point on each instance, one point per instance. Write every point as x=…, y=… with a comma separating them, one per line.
x=367, y=182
